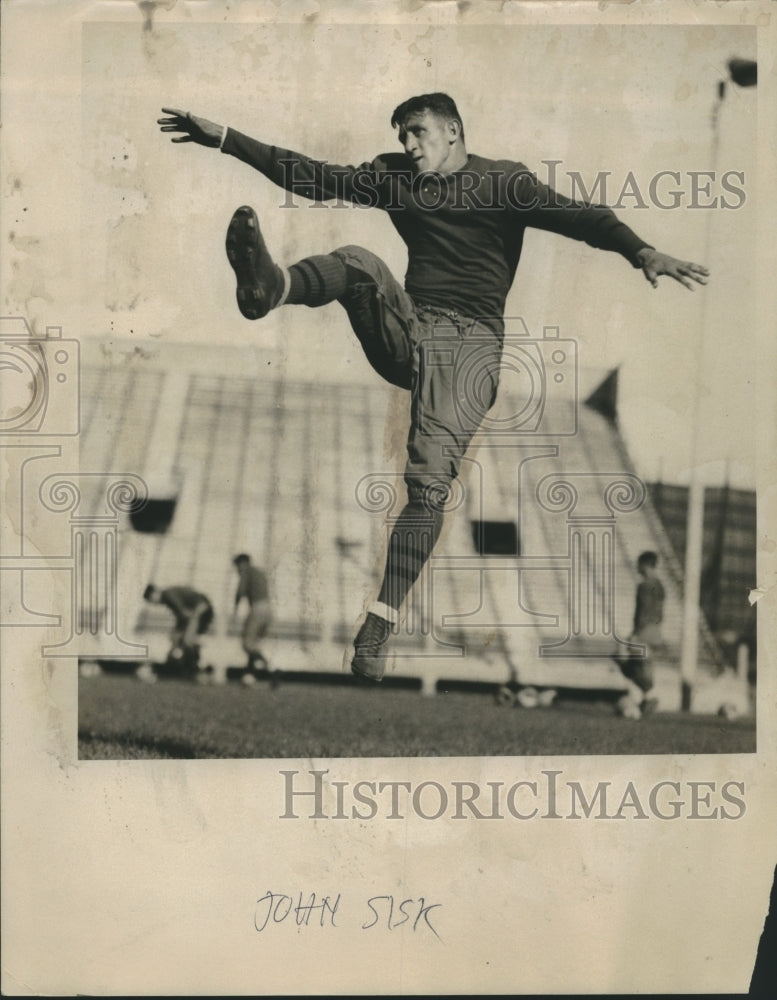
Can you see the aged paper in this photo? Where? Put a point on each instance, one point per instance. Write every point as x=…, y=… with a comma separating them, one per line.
x=259, y=876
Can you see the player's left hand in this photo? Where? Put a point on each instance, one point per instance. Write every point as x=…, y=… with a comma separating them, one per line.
x=654, y=263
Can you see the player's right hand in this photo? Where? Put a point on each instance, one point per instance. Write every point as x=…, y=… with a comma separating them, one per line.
x=192, y=128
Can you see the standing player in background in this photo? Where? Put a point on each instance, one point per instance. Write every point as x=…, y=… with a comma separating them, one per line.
x=462, y=218
x=253, y=587
x=648, y=616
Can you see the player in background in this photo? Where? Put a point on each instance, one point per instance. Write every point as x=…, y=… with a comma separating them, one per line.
x=193, y=613
x=648, y=616
x=462, y=218
x=253, y=587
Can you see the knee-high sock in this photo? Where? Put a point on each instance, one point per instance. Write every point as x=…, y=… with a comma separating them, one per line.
x=315, y=281
x=411, y=542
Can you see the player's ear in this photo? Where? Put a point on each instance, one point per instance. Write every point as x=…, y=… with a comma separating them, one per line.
x=454, y=129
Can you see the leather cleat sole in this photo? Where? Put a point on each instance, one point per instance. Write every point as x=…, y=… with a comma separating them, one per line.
x=258, y=277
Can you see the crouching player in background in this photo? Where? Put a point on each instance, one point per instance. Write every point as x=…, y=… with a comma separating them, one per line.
x=193, y=613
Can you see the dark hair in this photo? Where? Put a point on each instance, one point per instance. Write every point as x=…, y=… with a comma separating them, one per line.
x=647, y=559
x=438, y=104
x=149, y=592
x=242, y=558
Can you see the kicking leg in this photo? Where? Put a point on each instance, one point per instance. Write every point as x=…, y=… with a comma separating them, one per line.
x=381, y=313
x=262, y=285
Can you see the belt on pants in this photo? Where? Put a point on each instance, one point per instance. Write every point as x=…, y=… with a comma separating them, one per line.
x=450, y=314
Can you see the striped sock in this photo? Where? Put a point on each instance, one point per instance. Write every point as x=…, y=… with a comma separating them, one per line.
x=315, y=281
x=411, y=542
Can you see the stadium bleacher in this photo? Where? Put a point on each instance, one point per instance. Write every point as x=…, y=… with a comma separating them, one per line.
x=533, y=580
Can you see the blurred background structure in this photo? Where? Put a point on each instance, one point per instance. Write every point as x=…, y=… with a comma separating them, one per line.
x=299, y=475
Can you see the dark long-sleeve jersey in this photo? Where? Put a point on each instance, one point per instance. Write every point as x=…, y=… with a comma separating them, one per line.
x=252, y=585
x=183, y=602
x=463, y=231
x=649, y=608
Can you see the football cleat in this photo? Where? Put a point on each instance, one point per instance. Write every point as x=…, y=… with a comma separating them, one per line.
x=259, y=279
x=369, y=659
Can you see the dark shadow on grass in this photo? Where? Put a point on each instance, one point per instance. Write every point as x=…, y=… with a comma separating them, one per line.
x=144, y=748
x=319, y=678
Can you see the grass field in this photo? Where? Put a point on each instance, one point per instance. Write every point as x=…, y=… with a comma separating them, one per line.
x=121, y=718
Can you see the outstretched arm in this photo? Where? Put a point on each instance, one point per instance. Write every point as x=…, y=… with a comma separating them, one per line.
x=191, y=128
x=535, y=204
x=654, y=264
x=318, y=181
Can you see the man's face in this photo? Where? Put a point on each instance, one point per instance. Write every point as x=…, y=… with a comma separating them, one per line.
x=428, y=141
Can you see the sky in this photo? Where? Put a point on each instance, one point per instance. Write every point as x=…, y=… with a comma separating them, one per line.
x=137, y=249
